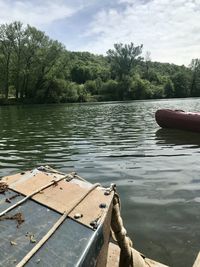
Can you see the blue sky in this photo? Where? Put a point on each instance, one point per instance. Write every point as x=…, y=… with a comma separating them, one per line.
x=169, y=29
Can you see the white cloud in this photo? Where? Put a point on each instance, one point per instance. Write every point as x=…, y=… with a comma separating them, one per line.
x=35, y=13
x=169, y=29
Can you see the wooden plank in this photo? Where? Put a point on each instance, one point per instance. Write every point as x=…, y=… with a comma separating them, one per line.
x=197, y=261
x=32, y=194
x=103, y=255
x=153, y=263
x=114, y=254
x=29, y=181
x=62, y=196
x=91, y=207
x=13, y=178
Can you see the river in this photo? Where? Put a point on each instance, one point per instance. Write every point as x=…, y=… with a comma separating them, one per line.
x=157, y=171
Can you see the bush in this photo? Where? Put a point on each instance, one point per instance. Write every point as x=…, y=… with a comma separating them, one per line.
x=91, y=87
x=169, y=88
x=140, y=89
x=109, y=90
x=157, y=91
x=70, y=93
x=51, y=92
x=83, y=95
x=182, y=84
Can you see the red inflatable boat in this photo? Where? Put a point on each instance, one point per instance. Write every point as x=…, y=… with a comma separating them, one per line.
x=178, y=119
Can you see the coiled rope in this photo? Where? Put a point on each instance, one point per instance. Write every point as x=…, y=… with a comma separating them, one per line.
x=129, y=257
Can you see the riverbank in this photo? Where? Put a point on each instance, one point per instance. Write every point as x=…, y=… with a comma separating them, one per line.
x=25, y=101
x=30, y=101
x=91, y=99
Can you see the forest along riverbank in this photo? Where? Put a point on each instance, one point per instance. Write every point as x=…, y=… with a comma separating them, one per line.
x=38, y=69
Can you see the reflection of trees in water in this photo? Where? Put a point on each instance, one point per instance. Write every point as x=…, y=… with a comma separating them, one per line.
x=177, y=137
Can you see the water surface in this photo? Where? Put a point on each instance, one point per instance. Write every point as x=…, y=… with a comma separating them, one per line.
x=157, y=171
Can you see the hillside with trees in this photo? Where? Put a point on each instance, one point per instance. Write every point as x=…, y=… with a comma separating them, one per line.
x=37, y=69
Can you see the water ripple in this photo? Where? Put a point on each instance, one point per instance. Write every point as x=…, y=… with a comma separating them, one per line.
x=156, y=170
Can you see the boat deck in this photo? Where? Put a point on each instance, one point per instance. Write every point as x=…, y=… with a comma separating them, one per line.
x=20, y=233
x=82, y=239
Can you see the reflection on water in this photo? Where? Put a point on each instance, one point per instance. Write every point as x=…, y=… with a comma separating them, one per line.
x=177, y=137
x=156, y=170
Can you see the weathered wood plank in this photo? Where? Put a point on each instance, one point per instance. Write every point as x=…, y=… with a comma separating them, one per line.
x=197, y=261
x=114, y=253
x=63, y=195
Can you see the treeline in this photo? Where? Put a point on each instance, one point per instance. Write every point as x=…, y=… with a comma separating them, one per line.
x=37, y=69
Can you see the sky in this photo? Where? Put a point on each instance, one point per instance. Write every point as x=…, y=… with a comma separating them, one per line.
x=168, y=29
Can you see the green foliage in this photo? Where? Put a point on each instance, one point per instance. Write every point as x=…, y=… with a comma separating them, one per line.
x=70, y=93
x=124, y=88
x=83, y=95
x=140, y=89
x=169, y=88
x=80, y=74
x=195, y=68
x=109, y=90
x=29, y=60
x=157, y=91
x=123, y=58
x=50, y=93
x=6, y=48
x=86, y=66
x=182, y=82
x=153, y=76
x=91, y=87
x=37, y=69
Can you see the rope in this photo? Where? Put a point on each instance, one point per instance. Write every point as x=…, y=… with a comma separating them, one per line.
x=3, y=187
x=68, y=177
x=128, y=256
x=51, y=170
x=53, y=229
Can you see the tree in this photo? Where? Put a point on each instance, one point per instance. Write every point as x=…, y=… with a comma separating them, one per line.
x=157, y=91
x=6, y=48
x=140, y=89
x=169, y=88
x=123, y=58
x=147, y=63
x=18, y=43
x=91, y=87
x=50, y=92
x=48, y=62
x=36, y=68
x=32, y=42
x=80, y=74
x=109, y=90
x=195, y=68
x=71, y=92
x=181, y=81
